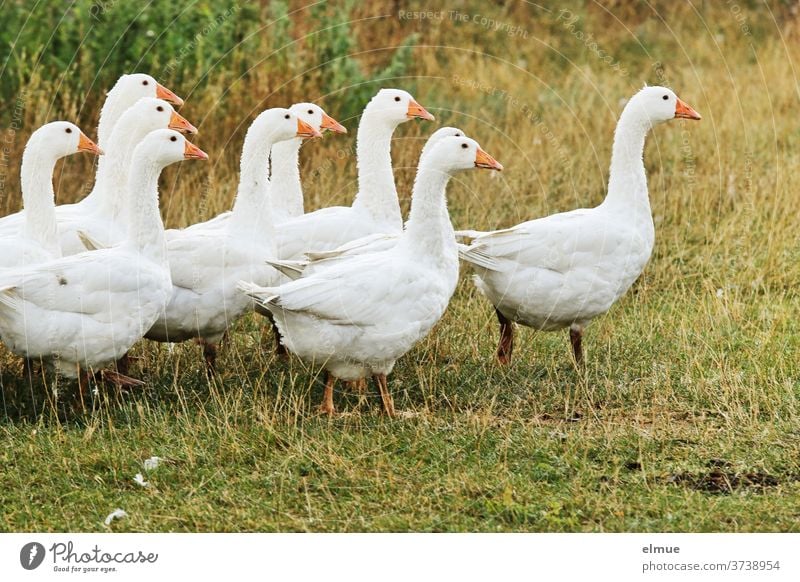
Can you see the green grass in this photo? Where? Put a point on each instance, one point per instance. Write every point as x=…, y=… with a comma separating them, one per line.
x=687, y=417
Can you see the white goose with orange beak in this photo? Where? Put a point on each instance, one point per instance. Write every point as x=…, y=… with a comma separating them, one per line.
x=35, y=239
x=207, y=260
x=357, y=317
x=83, y=312
x=564, y=270
x=376, y=208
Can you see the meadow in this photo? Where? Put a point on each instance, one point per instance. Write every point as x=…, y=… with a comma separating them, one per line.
x=686, y=417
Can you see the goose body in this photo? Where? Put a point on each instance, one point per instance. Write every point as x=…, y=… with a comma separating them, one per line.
x=359, y=316
x=564, y=270
x=206, y=263
x=35, y=240
x=86, y=310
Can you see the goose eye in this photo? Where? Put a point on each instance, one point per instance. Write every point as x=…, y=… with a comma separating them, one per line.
x=286, y=116
x=665, y=97
x=159, y=108
x=310, y=112
x=145, y=82
x=68, y=130
x=397, y=98
x=465, y=146
x=173, y=138
x=458, y=135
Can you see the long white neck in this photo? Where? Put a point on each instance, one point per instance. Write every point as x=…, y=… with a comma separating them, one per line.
x=286, y=190
x=113, y=108
x=428, y=232
x=252, y=215
x=627, y=182
x=108, y=196
x=377, y=194
x=145, y=230
x=38, y=198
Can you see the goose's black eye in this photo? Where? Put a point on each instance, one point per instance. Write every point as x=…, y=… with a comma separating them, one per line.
x=286, y=116
x=145, y=82
x=310, y=112
x=665, y=97
x=397, y=98
x=68, y=130
x=465, y=146
x=458, y=135
x=173, y=138
x=159, y=108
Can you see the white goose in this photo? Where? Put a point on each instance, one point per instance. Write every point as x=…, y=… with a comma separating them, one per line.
x=315, y=260
x=126, y=91
x=286, y=190
x=207, y=263
x=86, y=310
x=564, y=270
x=376, y=208
x=102, y=216
x=359, y=316
x=36, y=240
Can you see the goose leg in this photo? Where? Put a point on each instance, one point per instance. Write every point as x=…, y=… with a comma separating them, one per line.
x=506, y=345
x=124, y=364
x=210, y=356
x=575, y=337
x=280, y=349
x=327, y=399
x=386, y=396
x=28, y=369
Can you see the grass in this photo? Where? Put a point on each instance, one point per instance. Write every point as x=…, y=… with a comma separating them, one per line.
x=687, y=418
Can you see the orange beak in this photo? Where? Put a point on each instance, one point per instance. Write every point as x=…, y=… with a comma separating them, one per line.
x=484, y=160
x=305, y=131
x=682, y=110
x=87, y=145
x=330, y=123
x=179, y=123
x=417, y=110
x=192, y=152
x=167, y=95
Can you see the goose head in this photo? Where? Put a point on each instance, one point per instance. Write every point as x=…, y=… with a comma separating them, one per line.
x=163, y=147
x=437, y=136
x=138, y=85
x=396, y=106
x=658, y=104
x=149, y=114
x=453, y=154
x=281, y=124
x=61, y=138
x=316, y=117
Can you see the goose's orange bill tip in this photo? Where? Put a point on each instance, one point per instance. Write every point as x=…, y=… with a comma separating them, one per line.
x=167, y=95
x=484, y=160
x=331, y=124
x=417, y=110
x=87, y=145
x=192, y=152
x=179, y=123
x=305, y=131
x=683, y=111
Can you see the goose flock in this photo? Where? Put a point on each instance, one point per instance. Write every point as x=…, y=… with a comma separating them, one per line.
x=350, y=288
